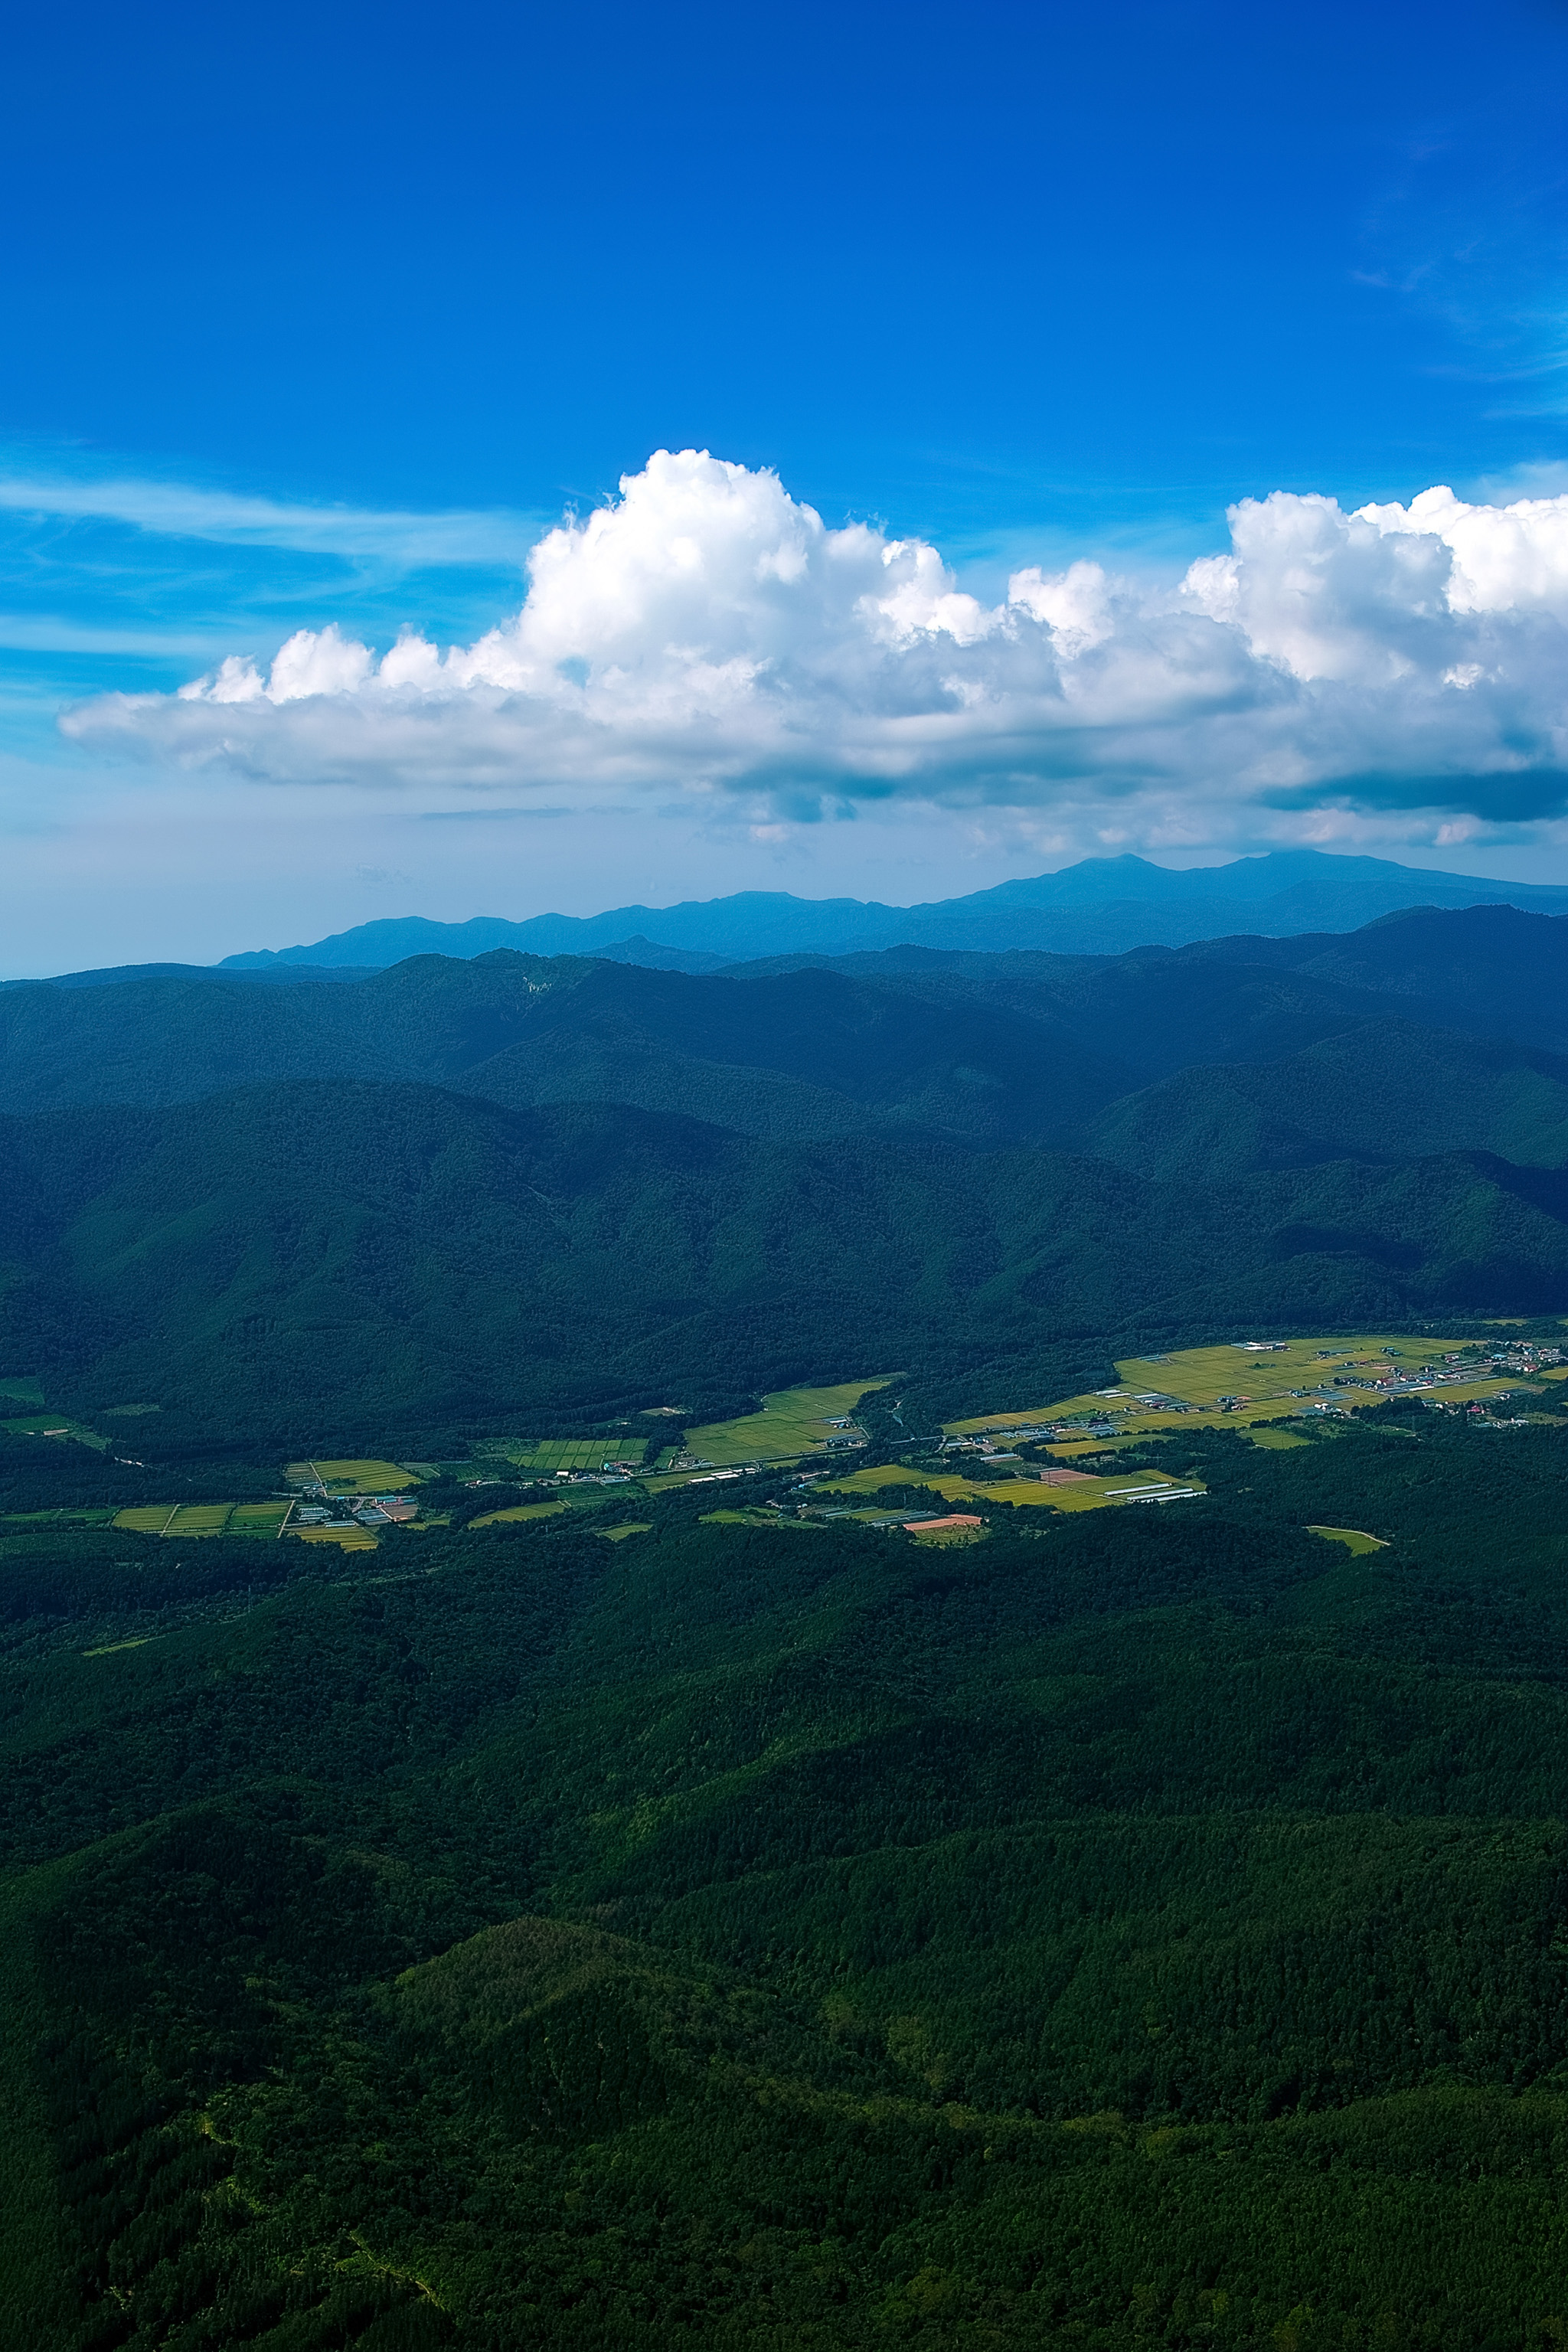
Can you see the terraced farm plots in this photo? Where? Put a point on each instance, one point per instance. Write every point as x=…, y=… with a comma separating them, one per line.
x=1261, y=1386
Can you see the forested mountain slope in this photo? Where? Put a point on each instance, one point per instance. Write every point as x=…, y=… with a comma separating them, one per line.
x=806, y=1052
x=361, y=1257
x=1382, y=1091
x=1138, y=1931
x=988, y=1050
x=1488, y=968
x=697, y=1921
x=1493, y=972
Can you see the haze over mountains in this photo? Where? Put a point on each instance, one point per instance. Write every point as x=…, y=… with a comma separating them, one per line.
x=1099, y=906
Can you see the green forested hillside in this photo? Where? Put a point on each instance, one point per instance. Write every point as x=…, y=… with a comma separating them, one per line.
x=1145, y=1926
x=1139, y=1929
x=1491, y=970
x=984, y=1049
x=358, y=1263
x=1491, y=967
x=1383, y=1091
x=793, y=1055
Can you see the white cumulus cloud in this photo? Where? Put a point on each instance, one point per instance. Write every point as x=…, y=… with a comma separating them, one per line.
x=706, y=633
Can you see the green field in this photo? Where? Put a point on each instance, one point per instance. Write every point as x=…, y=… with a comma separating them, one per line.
x=176, y=1518
x=203, y=1518
x=792, y=1421
x=581, y=1499
x=362, y=1477
x=521, y=1511
x=1198, y=1377
x=147, y=1518
x=256, y=1518
x=54, y=1425
x=1354, y=1540
x=542, y=1457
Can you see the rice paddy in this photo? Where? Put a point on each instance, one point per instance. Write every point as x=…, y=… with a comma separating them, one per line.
x=1085, y=1493
x=792, y=1422
x=541, y=1457
x=197, y=1519
x=358, y=1477
x=256, y=1518
x=1258, y=1387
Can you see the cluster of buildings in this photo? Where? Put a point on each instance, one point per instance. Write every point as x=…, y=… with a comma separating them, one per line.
x=317, y=1509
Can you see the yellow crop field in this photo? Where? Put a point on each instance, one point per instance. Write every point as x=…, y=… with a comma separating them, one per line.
x=1268, y=1385
x=1114, y=1486
x=175, y=1518
x=355, y=1477
x=203, y=1518
x=792, y=1421
x=351, y=1539
x=199, y=1519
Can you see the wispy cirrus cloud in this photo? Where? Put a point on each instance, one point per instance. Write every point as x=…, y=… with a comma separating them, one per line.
x=57, y=633
x=405, y=537
x=706, y=636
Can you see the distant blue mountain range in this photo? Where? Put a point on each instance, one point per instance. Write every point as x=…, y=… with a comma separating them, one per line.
x=1101, y=907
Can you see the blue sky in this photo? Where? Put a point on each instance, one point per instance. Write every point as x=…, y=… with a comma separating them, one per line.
x=320, y=321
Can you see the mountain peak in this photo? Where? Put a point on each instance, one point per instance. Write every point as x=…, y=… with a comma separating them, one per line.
x=1101, y=906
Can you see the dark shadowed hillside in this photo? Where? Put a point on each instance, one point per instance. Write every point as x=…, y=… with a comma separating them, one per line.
x=1382, y=1091
x=803, y=1053
x=1488, y=968
x=984, y=1050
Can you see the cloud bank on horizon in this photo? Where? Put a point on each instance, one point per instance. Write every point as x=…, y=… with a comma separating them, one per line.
x=707, y=637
